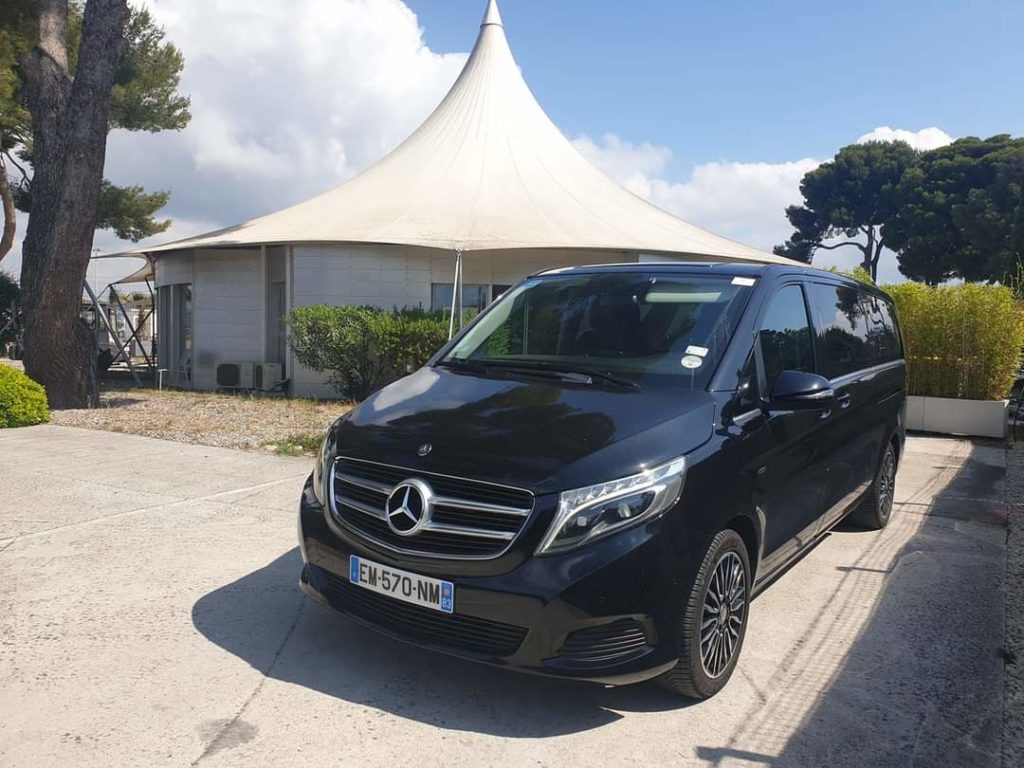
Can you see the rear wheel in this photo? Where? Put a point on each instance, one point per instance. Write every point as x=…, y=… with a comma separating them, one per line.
x=876, y=509
x=714, y=620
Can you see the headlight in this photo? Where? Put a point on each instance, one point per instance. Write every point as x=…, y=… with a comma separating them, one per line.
x=323, y=458
x=587, y=514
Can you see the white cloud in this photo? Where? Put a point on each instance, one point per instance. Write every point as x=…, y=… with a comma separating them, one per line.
x=288, y=99
x=925, y=139
x=744, y=201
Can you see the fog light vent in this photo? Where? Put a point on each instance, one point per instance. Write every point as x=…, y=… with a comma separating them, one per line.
x=605, y=643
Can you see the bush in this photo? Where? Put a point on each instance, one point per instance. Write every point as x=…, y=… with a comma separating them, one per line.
x=961, y=341
x=364, y=348
x=22, y=401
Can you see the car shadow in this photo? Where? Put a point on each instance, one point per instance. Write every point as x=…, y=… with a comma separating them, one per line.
x=919, y=683
x=300, y=642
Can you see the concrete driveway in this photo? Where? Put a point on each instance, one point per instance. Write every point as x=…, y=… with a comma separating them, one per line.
x=149, y=616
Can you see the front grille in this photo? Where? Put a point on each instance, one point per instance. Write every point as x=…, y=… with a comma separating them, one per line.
x=470, y=519
x=414, y=623
x=605, y=643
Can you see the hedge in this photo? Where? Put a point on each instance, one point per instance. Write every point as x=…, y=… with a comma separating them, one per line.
x=961, y=341
x=22, y=401
x=364, y=348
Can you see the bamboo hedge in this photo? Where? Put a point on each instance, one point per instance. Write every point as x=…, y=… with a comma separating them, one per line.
x=961, y=341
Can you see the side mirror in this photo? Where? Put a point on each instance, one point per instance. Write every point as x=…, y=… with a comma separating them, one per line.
x=801, y=391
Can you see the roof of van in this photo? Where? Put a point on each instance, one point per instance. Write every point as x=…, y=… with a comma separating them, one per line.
x=737, y=269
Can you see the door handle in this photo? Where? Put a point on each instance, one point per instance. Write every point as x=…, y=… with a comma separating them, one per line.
x=844, y=400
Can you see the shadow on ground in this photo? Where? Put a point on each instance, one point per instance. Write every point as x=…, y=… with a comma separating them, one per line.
x=921, y=683
x=305, y=644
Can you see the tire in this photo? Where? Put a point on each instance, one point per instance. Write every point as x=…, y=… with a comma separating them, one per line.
x=875, y=510
x=697, y=674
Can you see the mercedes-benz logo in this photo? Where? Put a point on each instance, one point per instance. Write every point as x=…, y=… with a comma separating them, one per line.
x=409, y=507
x=425, y=449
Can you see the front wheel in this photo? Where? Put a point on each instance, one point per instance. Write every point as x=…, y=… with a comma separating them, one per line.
x=714, y=620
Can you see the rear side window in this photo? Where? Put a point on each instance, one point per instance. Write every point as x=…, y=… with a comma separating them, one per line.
x=855, y=330
x=786, y=335
x=882, y=334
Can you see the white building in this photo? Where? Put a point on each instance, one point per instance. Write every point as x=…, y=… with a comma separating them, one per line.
x=487, y=188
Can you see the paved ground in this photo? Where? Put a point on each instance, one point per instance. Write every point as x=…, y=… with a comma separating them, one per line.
x=149, y=616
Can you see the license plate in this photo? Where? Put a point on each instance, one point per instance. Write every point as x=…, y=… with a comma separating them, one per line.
x=402, y=585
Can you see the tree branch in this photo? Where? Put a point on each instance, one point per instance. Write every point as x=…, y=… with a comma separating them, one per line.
x=10, y=215
x=840, y=245
x=24, y=173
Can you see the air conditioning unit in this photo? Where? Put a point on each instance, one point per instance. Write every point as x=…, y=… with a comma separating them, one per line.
x=235, y=375
x=268, y=376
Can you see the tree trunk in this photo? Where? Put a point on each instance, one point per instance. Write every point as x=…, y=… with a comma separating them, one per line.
x=10, y=215
x=69, y=131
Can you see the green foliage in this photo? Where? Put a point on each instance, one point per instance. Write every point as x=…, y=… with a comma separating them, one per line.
x=962, y=212
x=144, y=98
x=22, y=401
x=128, y=211
x=364, y=348
x=857, y=273
x=304, y=444
x=853, y=197
x=960, y=341
x=10, y=293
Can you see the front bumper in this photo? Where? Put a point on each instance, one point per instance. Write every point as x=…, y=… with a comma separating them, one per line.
x=610, y=615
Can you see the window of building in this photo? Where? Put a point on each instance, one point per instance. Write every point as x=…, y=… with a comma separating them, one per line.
x=175, y=317
x=473, y=297
x=785, y=336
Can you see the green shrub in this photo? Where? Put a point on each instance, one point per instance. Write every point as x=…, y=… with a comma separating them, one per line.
x=364, y=348
x=22, y=401
x=961, y=341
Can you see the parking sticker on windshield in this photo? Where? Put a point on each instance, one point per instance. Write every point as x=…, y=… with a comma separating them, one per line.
x=747, y=281
x=692, y=362
x=698, y=351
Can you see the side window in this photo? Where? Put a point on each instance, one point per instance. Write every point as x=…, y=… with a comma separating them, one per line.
x=842, y=339
x=882, y=335
x=785, y=335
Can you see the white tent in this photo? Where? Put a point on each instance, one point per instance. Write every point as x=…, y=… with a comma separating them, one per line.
x=484, y=193
x=487, y=171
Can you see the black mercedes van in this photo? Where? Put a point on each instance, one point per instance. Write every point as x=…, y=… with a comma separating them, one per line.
x=597, y=475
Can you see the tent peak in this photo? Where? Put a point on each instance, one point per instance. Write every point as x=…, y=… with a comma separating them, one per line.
x=493, y=15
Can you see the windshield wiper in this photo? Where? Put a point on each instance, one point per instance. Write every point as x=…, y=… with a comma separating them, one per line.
x=461, y=364
x=558, y=369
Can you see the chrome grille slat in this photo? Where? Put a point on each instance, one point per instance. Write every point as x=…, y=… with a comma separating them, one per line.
x=362, y=482
x=366, y=509
x=478, y=506
x=481, y=526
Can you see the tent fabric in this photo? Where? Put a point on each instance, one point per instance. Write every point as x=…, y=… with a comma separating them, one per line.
x=487, y=171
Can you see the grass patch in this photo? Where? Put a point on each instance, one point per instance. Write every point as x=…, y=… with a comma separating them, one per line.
x=297, y=445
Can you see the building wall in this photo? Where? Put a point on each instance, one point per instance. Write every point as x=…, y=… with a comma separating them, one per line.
x=228, y=311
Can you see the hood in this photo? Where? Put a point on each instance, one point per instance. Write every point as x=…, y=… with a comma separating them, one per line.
x=543, y=435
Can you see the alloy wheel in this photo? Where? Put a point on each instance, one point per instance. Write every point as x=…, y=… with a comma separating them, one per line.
x=725, y=610
x=886, y=484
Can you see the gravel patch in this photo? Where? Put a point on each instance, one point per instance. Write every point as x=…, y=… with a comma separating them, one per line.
x=1013, y=691
x=202, y=418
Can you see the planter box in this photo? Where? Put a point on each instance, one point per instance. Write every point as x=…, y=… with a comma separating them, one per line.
x=978, y=418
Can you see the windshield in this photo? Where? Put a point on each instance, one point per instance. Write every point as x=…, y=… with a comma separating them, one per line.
x=638, y=325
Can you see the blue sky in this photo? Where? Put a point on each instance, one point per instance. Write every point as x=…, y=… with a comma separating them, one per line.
x=765, y=81
x=713, y=110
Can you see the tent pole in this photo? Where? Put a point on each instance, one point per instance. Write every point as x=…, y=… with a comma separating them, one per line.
x=455, y=294
x=462, y=268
